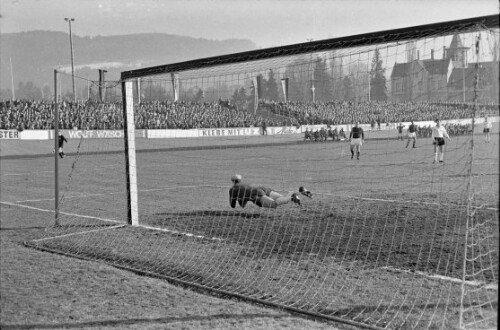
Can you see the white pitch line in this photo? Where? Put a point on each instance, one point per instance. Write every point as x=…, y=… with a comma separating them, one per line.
x=111, y=193
x=109, y=220
x=491, y=286
x=415, y=202
x=65, y=213
x=179, y=232
x=26, y=173
x=69, y=197
x=77, y=233
x=440, y=277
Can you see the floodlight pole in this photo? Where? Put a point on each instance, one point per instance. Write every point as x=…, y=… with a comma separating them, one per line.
x=56, y=152
x=69, y=20
x=12, y=80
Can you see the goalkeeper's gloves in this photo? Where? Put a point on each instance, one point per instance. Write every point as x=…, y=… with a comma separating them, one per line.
x=305, y=192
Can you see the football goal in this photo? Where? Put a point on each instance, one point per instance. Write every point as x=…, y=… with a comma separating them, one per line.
x=393, y=133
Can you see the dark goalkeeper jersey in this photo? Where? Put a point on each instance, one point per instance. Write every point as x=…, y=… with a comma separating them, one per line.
x=61, y=139
x=243, y=193
x=357, y=132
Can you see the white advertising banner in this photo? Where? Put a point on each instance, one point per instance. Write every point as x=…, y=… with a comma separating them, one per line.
x=89, y=134
x=211, y=132
x=283, y=130
x=318, y=127
x=34, y=135
x=171, y=133
x=237, y=131
x=9, y=134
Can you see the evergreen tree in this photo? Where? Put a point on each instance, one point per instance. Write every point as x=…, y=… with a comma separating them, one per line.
x=271, y=88
x=378, y=87
x=263, y=87
x=5, y=94
x=337, y=77
x=240, y=98
x=28, y=91
x=198, y=96
x=155, y=92
x=347, y=89
x=322, y=81
x=234, y=98
x=299, y=81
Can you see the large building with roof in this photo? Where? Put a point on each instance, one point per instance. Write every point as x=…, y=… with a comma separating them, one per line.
x=448, y=79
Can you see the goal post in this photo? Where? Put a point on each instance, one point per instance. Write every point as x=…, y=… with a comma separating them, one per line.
x=56, y=147
x=130, y=153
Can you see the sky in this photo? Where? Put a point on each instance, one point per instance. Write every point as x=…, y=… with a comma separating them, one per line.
x=268, y=23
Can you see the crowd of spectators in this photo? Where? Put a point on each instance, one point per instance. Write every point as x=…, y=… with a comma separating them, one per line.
x=343, y=112
x=21, y=115
x=25, y=114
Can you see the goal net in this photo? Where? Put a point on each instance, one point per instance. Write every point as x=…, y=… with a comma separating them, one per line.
x=400, y=233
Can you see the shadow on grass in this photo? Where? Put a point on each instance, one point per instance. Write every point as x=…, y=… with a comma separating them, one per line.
x=212, y=213
x=81, y=225
x=144, y=321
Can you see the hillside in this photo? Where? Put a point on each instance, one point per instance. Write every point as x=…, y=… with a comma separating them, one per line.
x=36, y=54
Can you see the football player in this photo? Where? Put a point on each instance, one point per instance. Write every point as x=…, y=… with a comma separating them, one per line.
x=357, y=137
x=438, y=135
x=412, y=134
x=259, y=195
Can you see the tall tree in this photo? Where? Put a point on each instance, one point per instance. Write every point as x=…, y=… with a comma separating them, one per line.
x=240, y=98
x=299, y=81
x=5, y=93
x=198, y=95
x=271, y=88
x=378, y=87
x=262, y=87
x=28, y=91
x=347, y=89
x=337, y=76
x=322, y=81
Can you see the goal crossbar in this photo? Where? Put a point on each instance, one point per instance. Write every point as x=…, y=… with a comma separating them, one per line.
x=373, y=38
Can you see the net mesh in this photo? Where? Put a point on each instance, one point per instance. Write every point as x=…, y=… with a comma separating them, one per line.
x=390, y=240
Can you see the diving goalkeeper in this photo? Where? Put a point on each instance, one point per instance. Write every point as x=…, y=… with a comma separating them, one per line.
x=259, y=195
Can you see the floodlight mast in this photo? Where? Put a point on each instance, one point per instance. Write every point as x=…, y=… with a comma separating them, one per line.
x=69, y=20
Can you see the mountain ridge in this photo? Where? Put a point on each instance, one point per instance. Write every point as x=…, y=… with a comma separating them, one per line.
x=35, y=54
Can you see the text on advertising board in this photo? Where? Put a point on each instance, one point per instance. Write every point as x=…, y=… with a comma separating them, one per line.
x=9, y=134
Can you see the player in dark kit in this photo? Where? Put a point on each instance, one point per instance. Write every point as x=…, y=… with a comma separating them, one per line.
x=61, y=140
x=357, y=136
x=400, y=130
x=412, y=134
x=259, y=195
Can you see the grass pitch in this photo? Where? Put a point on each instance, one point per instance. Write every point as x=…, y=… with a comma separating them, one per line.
x=391, y=210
